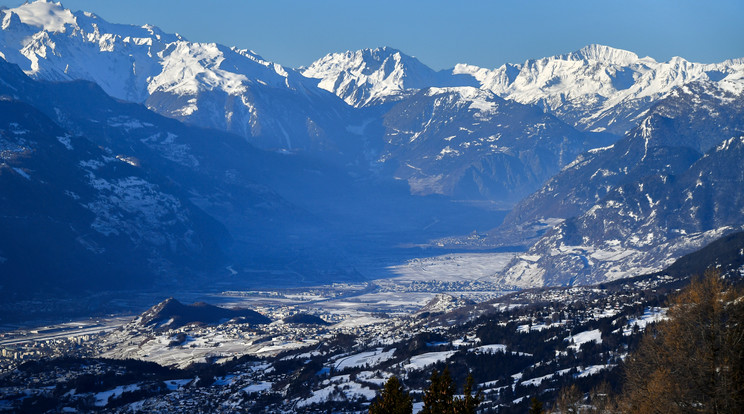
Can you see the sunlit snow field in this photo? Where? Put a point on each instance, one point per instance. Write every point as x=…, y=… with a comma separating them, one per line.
x=451, y=267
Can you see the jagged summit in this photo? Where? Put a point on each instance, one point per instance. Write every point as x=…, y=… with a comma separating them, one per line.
x=604, y=54
x=43, y=14
x=378, y=54
x=55, y=18
x=206, y=84
x=362, y=62
x=598, y=88
x=370, y=76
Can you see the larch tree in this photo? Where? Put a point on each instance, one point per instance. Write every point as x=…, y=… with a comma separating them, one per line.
x=694, y=361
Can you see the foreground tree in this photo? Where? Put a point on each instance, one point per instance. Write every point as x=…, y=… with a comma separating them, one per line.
x=392, y=400
x=536, y=406
x=438, y=398
x=602, y=399
x=569, y=400
x=469, y=402
x=694, y=361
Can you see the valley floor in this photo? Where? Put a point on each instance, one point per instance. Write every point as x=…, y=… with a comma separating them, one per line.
x=413, y=284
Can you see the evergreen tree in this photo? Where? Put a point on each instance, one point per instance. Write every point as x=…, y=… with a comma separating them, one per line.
x=439, y=398
x=469, y=402
x=393, y=399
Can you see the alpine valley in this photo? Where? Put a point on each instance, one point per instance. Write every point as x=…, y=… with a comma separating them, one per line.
x=362, y=217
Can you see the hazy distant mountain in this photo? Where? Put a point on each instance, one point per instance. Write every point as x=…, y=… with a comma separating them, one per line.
x=266, y=215
x=219, y=172
x=596, y=88
x=227, y=183
x=80, y=218
x=471, y=144
x=342, y=165
x=452, y=140
x=440, y=148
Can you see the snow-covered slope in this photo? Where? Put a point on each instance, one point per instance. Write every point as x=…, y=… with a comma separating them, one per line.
x=635, y=206
x=471, y=144
x=50, y=42
x=598, y=87
x=202, y=83
x=641, y=227
x=373, y=76
x=687, y=122
x=78, y=217
x=198, y=198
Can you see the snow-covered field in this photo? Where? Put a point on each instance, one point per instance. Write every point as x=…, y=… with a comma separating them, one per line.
x=650, y=315
x=207, y=344
x=371, y=358
x=451, y=267
x=339, y=388
x=414, y=284
x=430, y=358
x=419, y=280
x=584, y=337
x=102, y=398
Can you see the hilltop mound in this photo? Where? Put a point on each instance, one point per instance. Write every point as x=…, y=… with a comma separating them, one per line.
x=171, y=313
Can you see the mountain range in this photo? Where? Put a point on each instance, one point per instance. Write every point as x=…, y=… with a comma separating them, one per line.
x=125, y=144
x=597, y=88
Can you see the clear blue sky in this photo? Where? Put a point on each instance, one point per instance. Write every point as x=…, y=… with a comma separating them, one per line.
x=442, y=33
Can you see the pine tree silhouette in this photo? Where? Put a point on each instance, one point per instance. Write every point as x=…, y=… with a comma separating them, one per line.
x=393, y=399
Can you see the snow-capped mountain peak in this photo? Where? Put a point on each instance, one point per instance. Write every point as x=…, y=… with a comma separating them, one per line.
x=476, y=99
x=606, y=54
x=372, y=76
x=367, y=76
x=364, y=62
x=45, y=15
x=597, y=88
x=207, y=84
